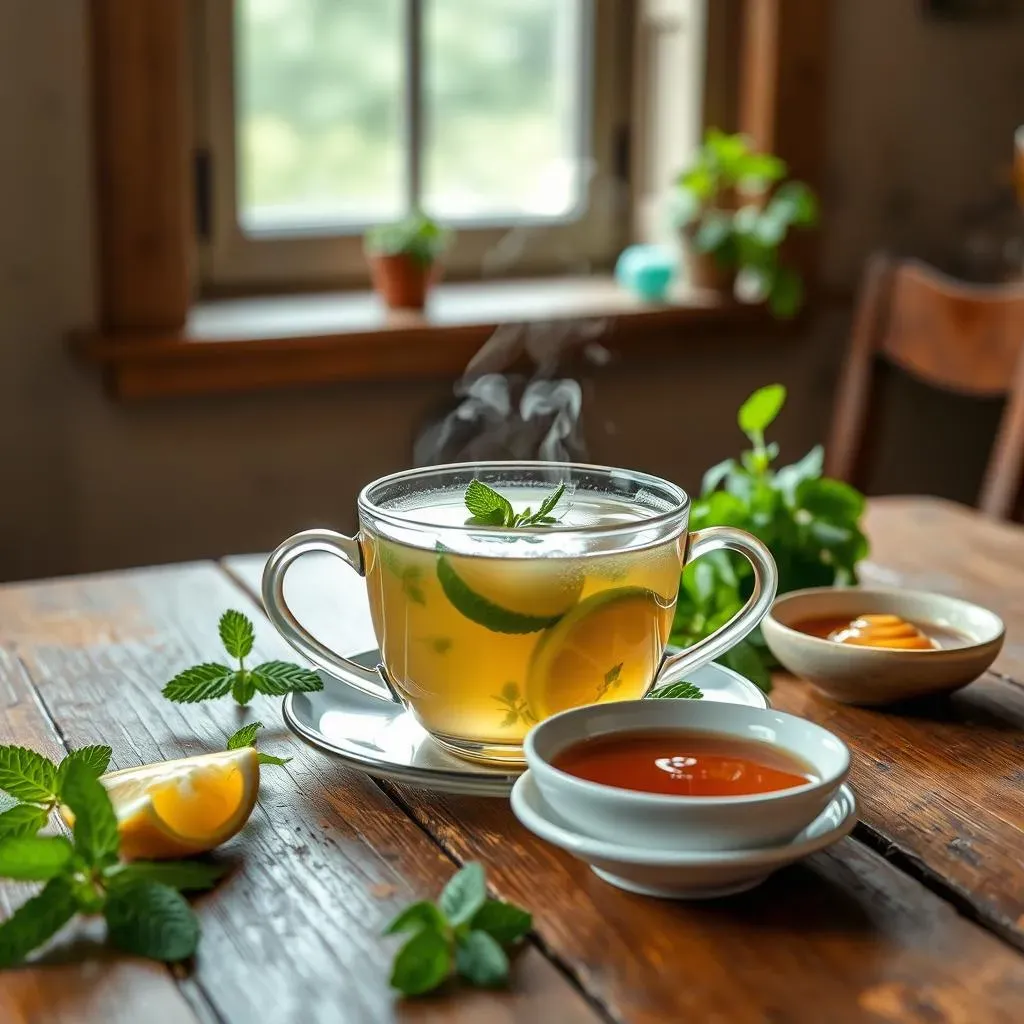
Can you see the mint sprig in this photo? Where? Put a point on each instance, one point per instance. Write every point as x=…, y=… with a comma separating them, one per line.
x=211, y=680
x=487, y=507
x=465, y=933
x=39, y=784
x=246, y=737
x=140, y=901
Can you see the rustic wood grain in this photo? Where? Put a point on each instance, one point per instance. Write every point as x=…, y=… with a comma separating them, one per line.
x=844, y=936
x=73, y=979
x=293, y=934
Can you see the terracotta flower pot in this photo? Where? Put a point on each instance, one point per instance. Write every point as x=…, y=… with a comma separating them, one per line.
x=402, y=281
x=703, y=270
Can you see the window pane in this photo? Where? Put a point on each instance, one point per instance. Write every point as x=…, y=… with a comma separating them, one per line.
x=502, y=107
x=319, y=98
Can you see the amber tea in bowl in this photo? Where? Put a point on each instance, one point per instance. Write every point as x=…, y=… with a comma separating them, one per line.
x=680, y=762
x=490, y=624
x=686, y=774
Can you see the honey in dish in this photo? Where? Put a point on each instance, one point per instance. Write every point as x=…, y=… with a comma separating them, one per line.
x=678, y=762
x=882, y=630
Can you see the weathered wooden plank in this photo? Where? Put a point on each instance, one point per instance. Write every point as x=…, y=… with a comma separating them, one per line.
x=844, y=936
x=942, y=784
x=932, y=544
x=864, y=934
x=73, y=979
x=294, y=933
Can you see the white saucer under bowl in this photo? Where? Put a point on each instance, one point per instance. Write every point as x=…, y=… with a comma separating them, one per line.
x=691, y=875
x=385, y=740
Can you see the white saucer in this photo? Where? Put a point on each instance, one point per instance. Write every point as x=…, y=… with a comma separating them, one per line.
x=683, y=875
x=385, y=740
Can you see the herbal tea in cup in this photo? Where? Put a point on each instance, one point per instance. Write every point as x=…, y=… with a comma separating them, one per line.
x=502, y=593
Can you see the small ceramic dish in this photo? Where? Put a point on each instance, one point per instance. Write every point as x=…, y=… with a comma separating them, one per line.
x=658, y=822
x=877, y=675
x=680, y=875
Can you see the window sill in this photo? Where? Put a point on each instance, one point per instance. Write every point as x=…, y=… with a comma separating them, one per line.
x=233, y=345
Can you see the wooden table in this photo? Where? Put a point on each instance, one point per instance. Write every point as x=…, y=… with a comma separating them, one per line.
x=919, y=916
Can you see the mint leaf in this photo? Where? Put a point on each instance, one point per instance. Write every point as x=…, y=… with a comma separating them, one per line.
x=677, y=691
x=487, y=504
x=464, y=894
x=243, y=689
x=504, y=922
x=416, y=916
x=36, y=920
x=151, y=920
x=22, y=820
x=244, y=737
x=96, y=758
x=422, y=964
x=95, y=828
x=27, y=775
x=550, y=502
x=481, y=961
x=183, y=875
x=276, y=678
x=271, y=759
x=201, y=682
x=34, y=858
x=760, y=409
x=236, y=634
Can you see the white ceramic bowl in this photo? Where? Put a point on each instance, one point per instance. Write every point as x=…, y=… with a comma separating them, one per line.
x=686, y=874
x=876, y=675
x=659, y=822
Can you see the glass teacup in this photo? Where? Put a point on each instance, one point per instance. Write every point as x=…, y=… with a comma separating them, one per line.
x=485, y=630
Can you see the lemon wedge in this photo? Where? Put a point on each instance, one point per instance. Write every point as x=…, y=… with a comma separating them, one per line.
x=183, y=807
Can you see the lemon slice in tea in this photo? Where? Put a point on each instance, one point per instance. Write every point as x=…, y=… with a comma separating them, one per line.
x=607, y=648
x=508, y=595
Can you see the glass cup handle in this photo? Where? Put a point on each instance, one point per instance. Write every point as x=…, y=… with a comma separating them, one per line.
x=766, y=583
x=373, y=682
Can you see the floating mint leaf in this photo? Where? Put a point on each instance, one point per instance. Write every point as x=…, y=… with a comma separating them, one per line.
x=34, y=858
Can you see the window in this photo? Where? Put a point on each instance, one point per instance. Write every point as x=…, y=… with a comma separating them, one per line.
x=505, y=119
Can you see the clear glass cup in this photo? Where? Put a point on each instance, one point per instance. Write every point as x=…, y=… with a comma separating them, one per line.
x=484, y=630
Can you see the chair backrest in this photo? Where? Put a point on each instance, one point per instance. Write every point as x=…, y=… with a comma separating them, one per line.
x=961, y=337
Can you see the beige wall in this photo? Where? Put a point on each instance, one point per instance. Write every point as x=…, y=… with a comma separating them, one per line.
x=89, y=484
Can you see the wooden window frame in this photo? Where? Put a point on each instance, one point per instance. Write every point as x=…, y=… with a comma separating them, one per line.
x=766, y=73
x=232, y=261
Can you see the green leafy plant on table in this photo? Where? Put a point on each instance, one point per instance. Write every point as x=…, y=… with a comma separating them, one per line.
x=210, y=681
x=464, y=934
x=735, y=212
x=140, y=901
x=403, y=257
x=810, y=523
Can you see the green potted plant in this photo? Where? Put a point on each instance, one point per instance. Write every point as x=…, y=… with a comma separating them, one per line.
x=810, y=522
x=404, y=259
x=734, y=211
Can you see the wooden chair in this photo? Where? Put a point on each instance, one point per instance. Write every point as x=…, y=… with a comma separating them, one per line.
x=964, y=338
